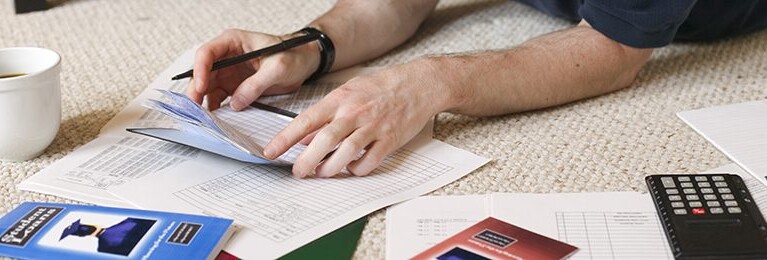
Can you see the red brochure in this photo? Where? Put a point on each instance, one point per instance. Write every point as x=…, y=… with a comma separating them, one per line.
x=495, y=239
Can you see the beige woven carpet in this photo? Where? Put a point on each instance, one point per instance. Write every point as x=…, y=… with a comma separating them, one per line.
x=112, y=49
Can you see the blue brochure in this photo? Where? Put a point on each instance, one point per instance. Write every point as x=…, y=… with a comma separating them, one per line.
x=65, y=231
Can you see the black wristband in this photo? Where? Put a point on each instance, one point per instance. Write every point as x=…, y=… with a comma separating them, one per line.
x=327, y=52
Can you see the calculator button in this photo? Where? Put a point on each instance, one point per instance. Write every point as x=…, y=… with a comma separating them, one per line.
x=674, y=198
x=677, y=204
x=720, y=184
x=701, y=178
x=683, y=178
x=692, y=197
x=717, y=178
x=698, y=211
x=733, y=210
x=672, y=191
x=704, y=184
x=668, y=182
x=713, y=204
x=724, y=190
x=728, y=197
x=730, y=203
x=686, y=184
x=689, y=191
x=716, y=210
x=709, y=197
x=680, y=211
x=696, y=204
x=706, y=190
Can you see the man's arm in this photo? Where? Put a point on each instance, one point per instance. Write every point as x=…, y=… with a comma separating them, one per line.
x=379, y=113
x=362, y=30
x=549, y=70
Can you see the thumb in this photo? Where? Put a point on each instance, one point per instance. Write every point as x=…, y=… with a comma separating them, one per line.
x=252, y=88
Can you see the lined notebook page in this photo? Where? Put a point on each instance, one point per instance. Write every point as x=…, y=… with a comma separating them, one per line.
x=739, y=131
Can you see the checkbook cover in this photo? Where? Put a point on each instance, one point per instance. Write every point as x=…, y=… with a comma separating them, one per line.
x=200, y=129
x=64, y=231
x=494, y=239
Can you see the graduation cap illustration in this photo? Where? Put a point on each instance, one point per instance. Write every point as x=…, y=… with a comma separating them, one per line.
x=71, y=229
x=119, y=238
x=77, y=229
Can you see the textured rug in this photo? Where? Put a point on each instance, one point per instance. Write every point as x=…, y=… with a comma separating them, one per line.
x=112, y=49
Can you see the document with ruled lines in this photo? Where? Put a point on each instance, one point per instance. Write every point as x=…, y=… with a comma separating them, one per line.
x=738, y=130
x=603, y=225
x=281, y=213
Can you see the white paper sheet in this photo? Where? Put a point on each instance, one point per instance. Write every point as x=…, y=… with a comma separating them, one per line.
x=738, y=130
x=117, y=156
x=87, y=172
x=613, y=225
x=420, y=223
x=281, y=213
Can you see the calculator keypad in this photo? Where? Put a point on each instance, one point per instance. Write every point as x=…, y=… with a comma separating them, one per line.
x=705, y=213
x=700, y=195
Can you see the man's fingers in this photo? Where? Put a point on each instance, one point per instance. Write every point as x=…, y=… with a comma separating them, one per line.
x=349, y=150
x=191, y=92
x=372, y=158
x=215, y=97
x=308, y=139
x=325, y=141
x=306, y=122
x=218, y=48
x=250, y=89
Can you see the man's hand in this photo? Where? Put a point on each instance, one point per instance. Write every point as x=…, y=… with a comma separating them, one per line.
x=375, y=114
x=245, y=82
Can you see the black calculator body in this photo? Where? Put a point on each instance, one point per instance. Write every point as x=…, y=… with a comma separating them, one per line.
x=709, y=216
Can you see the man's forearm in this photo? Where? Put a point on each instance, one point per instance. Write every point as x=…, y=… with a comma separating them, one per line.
x=553, y=69
x=362, y=30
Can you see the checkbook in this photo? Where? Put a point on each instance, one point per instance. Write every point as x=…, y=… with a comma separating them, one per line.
x=236, y=135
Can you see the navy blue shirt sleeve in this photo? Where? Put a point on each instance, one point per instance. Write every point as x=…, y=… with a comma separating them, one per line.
x=637, y=23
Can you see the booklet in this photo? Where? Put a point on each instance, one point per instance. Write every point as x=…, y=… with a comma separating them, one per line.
x=47, y=230
x=201, y=129
x=494, y=239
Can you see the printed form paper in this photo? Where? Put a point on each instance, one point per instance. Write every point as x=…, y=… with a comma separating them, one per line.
x=281, y=213
x=612, y=225
x=117, y=156
x=739, y=131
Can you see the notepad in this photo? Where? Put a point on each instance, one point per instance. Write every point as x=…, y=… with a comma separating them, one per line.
x=738, y=130
x=237, y=135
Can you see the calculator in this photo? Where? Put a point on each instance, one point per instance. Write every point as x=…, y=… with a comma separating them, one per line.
x=709, y=216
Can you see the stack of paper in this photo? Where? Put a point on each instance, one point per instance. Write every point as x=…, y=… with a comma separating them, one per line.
x=279, y=213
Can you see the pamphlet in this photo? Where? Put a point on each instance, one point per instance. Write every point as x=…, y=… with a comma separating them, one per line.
x=65, y=231
x=494, y=239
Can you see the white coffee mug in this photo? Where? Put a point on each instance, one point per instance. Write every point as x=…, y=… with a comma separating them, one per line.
x=30, y=101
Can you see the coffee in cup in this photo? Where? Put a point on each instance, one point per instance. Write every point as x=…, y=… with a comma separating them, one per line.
x=12, y=75
x=30, y=101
